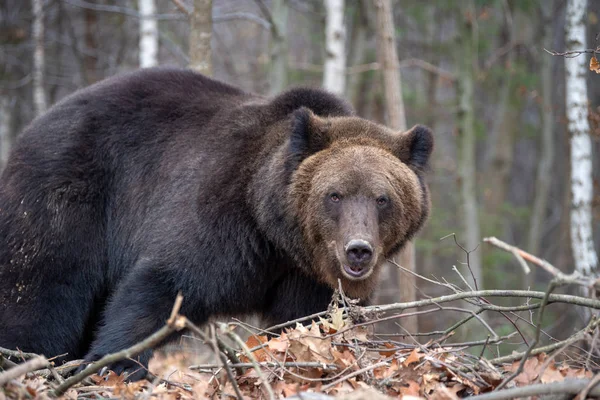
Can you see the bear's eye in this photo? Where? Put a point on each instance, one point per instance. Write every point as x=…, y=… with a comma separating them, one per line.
x=382, y=201
x=335, y=198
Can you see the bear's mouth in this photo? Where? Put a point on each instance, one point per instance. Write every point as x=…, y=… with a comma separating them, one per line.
x=355, y=272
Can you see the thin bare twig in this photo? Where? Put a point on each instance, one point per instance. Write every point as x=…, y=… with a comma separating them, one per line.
x=573, y=54
x=32, y=364
x=352, y=375
x=524, y=255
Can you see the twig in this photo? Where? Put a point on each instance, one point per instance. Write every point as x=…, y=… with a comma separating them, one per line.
x=593, y=383
x=227, y=350
x=182, y=7
x=352, y=375
x=545, y=349
x=62, y=370
x=554, y=298
x=573, y=54
x=271, y=364
x=17, y=354
x=175, y=323
x=555, y=282
x=22, y=369
x=523, y=255
x=250, y=355
x=221, y=357
x=568, y=386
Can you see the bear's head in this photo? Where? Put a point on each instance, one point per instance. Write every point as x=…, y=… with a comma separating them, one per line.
x=357, y=191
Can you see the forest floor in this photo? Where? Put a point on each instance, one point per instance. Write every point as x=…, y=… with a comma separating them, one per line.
x=334, y=358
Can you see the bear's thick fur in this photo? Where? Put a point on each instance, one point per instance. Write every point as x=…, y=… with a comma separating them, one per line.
x=164, y=181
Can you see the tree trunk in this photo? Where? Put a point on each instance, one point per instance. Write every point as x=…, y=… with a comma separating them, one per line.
x=358, y=55
x=467, y=141
x=148, y=34
x=544, y=179
x=582, y=244
x=388, y=58
x=334, y=76
x=200, y=37
x=5, y=129
x=39, y=95
x=279, y=47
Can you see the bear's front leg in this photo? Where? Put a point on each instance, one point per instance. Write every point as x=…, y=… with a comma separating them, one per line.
x=141, y=306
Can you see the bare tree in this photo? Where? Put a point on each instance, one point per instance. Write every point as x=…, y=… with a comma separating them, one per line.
x=386, y=49
x=334, y=77
x=544, y=179
x=39, y=94
x=467, y=137
x=200, y=37
x=582, y=244
x=148, y=34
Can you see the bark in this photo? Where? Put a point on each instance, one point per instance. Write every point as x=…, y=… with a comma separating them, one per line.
x=467, y=141
x=388, y=58
x=279, y=47
x=39, y=94
x=90, y=60
x=148, y=34
x=582, y=244
x=5, y=129
x=200, y=37
x=334, y=77
x=543, y=178
x=358, y=55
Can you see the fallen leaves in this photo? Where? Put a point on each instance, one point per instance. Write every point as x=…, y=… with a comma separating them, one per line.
x=330, y=357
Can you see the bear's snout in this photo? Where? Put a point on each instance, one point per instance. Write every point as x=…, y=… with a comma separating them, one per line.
x=358, y=260
x=359, y=252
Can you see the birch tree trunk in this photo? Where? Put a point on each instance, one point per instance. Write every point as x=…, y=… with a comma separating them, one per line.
x=334, y=77
x=386, y=48
x=148, y=34
x=279, y=47
x=200, y=37
x=39, y=95
x=582, y=244
x=543, y=178
x=467, y=141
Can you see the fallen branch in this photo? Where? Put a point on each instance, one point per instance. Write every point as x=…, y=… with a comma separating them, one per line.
x=568, y=386
x=17, y=354
x=523, y=255
x=22, y=369
x=175, y=323
x=554, y=298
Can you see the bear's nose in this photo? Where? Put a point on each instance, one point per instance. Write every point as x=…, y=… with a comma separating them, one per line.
x=359, y=252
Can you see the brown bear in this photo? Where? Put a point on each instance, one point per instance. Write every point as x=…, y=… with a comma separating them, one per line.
x=164, y=181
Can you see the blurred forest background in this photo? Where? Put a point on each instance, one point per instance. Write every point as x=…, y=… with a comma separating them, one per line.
x=475, y=71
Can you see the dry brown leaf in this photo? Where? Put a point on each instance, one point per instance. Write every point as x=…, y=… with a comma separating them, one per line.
x=280, y=344
x=594, y=65
x=442, y=392
x=260, y=354
x=552, y=374
x=414, y=356
x=385, y=372
x=343, y=359
x=110, y=380
x=413, y=389
x=388, y=353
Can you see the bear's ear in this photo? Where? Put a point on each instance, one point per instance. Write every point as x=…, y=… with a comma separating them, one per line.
x=414, y=147
x=308, y=136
